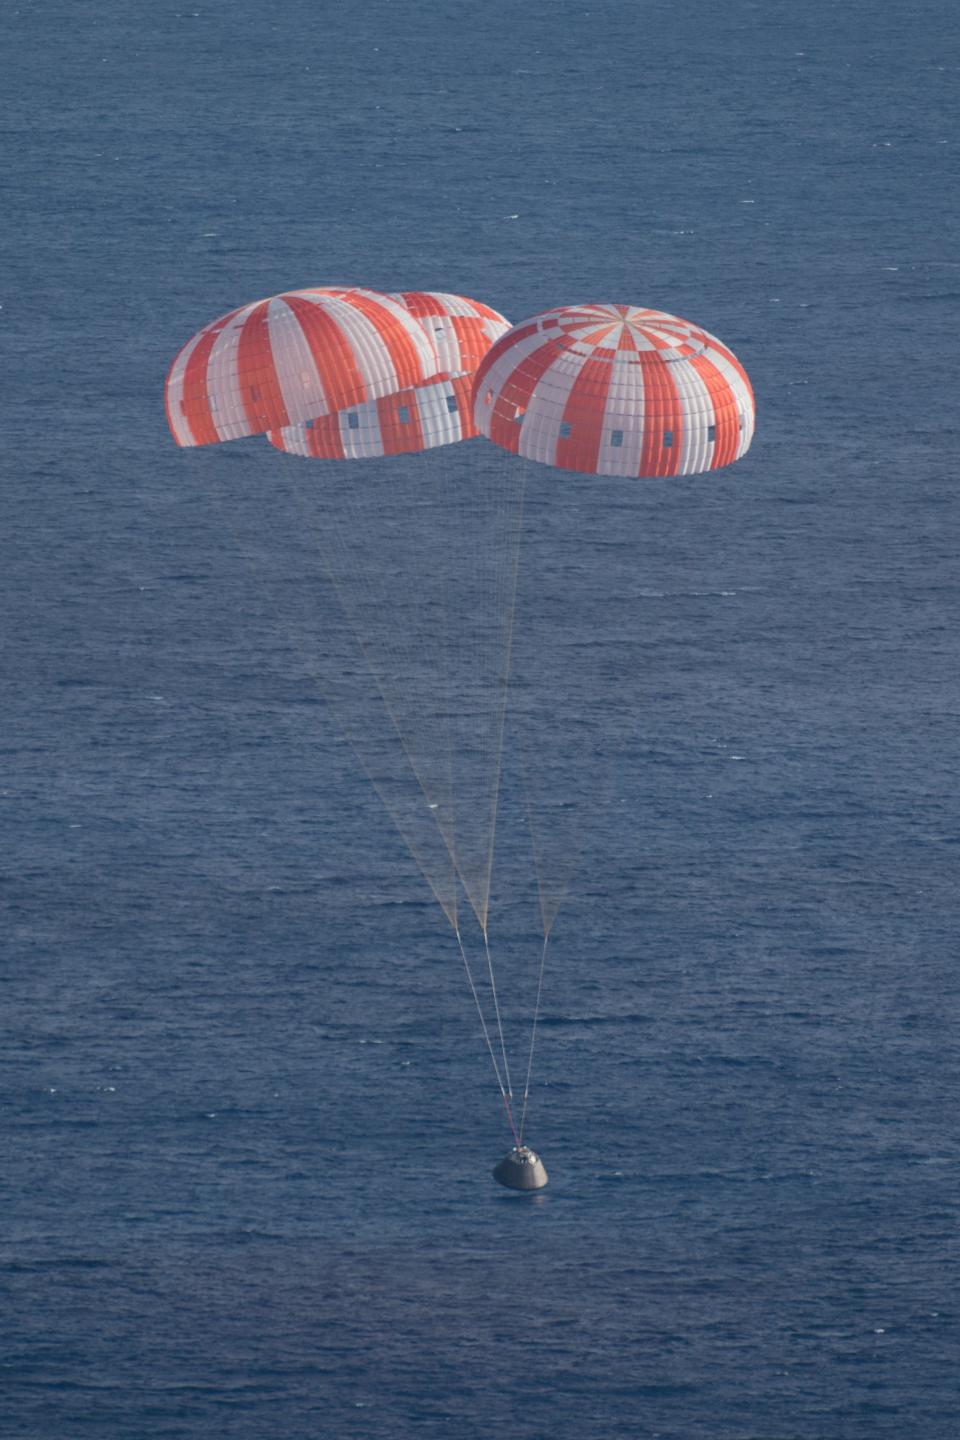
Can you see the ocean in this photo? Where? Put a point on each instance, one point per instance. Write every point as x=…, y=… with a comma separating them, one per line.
x=247, y=1119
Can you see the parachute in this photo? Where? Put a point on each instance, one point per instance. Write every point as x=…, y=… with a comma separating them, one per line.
x=423, y=552
x=292, y=358
x=602, y=390
x=421, y=555
x=405, y=421
x=615, y=390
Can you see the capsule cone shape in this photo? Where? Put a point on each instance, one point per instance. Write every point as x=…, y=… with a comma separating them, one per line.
x=521, y=1169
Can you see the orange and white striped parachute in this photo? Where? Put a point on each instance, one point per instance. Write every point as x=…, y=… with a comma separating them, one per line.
x=294, y=357
x=615, y=390
x=418, y=417
x=462, y=329
x=438, y=412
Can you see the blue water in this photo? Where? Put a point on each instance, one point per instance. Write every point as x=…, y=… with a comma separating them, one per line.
x=247, y=1126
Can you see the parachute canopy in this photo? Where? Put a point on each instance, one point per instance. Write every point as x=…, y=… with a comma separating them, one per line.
x=438, y=412
x=615, y=390
x=462, y=329
x=419, y=417
x=294, y=357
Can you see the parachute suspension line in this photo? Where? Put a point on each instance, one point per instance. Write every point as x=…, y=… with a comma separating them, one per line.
x=446, y=477
x=448, y=904
x=509, y=607
x=365, y=652
x=533, y=1037
x=386, y=652
x=380, y=647
x=554, y=871
x=481, y=571
x=449, y=476
x=444, y=894
x=496, y=1011
x=338, y=574
x=505, y=1097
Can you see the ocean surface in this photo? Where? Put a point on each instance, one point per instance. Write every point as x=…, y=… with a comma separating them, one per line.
x=247, y=1122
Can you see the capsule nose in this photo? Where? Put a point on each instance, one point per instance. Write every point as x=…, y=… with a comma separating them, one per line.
x=521, y=1169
